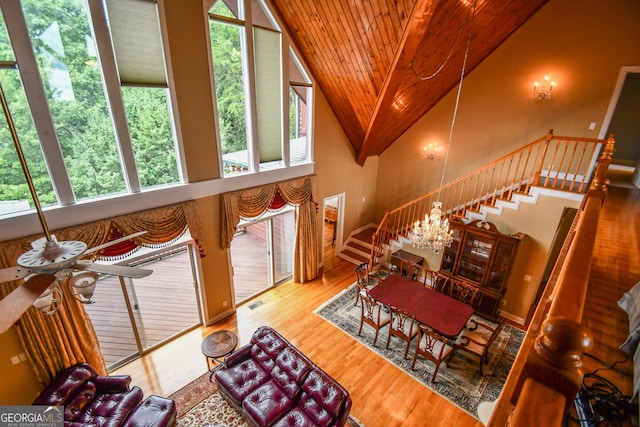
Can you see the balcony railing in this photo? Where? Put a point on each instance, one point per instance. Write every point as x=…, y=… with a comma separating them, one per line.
x=547, y=370
x=551, y=162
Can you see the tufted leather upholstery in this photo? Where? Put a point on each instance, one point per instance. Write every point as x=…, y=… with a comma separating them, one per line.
x=272, y=383
x=92, y=400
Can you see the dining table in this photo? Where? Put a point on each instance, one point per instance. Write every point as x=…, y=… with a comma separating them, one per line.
x=442, y=313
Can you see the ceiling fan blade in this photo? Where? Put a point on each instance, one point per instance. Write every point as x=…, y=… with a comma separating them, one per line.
x=10, y=274
x=115, y=270
x=113, y=242
x=17, y=302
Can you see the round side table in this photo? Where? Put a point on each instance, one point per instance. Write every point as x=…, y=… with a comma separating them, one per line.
x=216, y=346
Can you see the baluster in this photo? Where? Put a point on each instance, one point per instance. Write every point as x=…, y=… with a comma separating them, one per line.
x=506, y=178
x=524, y=171
x=577, y=171
x=515, y=174
x=545, y=147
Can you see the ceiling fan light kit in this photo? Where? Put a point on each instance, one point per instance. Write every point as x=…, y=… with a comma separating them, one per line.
x=50, y=301
x=82, y=284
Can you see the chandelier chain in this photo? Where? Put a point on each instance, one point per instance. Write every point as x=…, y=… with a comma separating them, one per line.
x=455, y=109
x=439, y=69
x=434, y=232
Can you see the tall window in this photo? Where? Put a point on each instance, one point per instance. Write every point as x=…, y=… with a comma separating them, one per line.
x=262, y=91
x=90, y=124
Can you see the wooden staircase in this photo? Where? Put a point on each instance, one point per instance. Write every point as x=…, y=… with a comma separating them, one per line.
x=551, y=164
x=358, y=247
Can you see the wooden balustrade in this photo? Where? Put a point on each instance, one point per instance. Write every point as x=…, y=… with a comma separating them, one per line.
x=550, y=359
x=553, y=162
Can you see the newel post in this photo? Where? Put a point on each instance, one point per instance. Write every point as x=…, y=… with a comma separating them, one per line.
x=558, y=357
x=600, y=181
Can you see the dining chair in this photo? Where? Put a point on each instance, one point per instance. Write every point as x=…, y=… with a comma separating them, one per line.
x=373, y=314
x=362, y=280
x=410, y=269
x=476, y=340
x=403, y=326
x=464, y=292
x=429, y=278
x=432, y=346
x=441, y=283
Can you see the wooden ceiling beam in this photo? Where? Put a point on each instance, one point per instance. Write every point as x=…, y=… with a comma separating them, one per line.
x=421, y=14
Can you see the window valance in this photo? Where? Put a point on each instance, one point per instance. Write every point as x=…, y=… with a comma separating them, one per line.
x=163, y=225
x=252, y=202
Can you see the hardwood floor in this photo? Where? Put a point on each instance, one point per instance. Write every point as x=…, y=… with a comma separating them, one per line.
x=382, y=394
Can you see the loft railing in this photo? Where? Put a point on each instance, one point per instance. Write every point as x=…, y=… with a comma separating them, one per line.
x=545, y=375
x=552, y=162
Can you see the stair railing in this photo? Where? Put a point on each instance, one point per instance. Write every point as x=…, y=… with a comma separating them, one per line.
x=552, y=162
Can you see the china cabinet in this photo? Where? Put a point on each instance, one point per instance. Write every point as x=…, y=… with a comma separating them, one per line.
x=482, y=255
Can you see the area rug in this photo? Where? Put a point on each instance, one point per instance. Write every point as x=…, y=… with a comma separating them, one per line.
x=461, y=383
x=199, y=404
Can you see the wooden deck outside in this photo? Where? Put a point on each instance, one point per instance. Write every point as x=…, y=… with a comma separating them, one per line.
x=157, y=320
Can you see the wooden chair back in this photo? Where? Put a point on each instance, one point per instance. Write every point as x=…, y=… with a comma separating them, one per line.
x=429, y=278
x=465, y=292
x=374, y=314
x=432, y=346
x=477, y=339
x=403, y=326
x=362, y=280
x=362, y=274
x=410, y=269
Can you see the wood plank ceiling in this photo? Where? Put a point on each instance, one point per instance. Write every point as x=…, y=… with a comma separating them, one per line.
x=372, y=58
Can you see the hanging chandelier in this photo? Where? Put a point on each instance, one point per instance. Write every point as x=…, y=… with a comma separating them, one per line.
x=434, y=233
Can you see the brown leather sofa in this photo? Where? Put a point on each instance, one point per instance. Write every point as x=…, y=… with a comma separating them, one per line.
x=271, y=383
x=92, y=400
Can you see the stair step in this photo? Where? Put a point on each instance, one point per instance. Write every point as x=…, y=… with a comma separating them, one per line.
x=350, y=254
x=365, y=235
x=358, y=247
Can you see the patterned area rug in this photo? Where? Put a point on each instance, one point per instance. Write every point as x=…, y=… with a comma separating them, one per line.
x=461, y=384
x=199, y=404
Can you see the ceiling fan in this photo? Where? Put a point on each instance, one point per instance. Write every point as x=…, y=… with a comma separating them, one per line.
x=50, y=261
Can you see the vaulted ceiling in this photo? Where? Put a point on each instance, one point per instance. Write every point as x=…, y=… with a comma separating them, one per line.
x=382, y=64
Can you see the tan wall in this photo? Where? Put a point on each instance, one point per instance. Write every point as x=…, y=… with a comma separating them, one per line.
x=338, y=172
x=581, y=45
x=20, y=386
x=538, y=222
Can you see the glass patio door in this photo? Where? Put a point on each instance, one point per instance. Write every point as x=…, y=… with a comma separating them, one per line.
x=132, y=316
x=262, y=254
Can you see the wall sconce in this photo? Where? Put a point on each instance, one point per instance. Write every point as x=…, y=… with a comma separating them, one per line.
x=543, y=90
x=431, y=152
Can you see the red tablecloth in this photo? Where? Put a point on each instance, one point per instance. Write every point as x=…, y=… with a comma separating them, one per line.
x=440, y=312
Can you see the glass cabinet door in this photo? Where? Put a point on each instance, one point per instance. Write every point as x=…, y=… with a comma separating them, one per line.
x=500, y=266
x=475, y=257
x=449, y=256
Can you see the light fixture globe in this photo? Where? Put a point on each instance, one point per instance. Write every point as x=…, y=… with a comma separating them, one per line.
x=50, y=300
x=82, y=285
